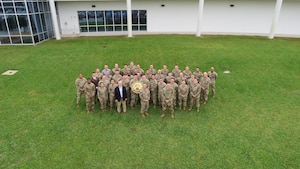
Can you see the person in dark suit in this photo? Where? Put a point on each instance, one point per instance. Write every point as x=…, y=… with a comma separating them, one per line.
x=120, y=97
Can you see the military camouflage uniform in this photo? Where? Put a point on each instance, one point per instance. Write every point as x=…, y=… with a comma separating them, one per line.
x=212, y=76
x=90, y=96
x=175, y=88
x=80, y=88
x=103, y=97
x=153, y=91
x=176, y=73
x=111, y=94
x=167, y=95
x=183, y=92
x=160, y=87
x=145, y=97
x=205, y=82
x=134, y=96
x=117, y=78
x=198, y=75
x=195, y=90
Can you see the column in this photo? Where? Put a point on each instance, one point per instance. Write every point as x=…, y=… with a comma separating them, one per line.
x=54, y=19
x=275, y=18
x=200, y=14
x=129, y=18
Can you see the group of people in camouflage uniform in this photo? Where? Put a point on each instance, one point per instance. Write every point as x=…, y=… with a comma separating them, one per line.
x=168, y=89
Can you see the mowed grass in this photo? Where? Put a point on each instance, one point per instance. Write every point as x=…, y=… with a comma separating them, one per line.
x=252, y=123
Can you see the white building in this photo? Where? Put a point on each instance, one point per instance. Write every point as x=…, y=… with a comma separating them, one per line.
x=109, y=17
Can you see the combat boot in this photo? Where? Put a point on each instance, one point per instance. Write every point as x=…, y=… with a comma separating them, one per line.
x=179, y=108
x=184, y=108
x=172, y=115
x=198, y=109
x=190, y=108
x=147, y=114
x=143, y=115
x=163, y=114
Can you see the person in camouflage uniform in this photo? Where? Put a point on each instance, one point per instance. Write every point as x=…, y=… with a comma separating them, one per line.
x=195, y=90
x=175, y=88
x=205, y=82
x=117, y=77
x=183, y=92
x=132, y=67
x=144, y=80
x=98, y=73
x=198, y=74
x=134, y=96
x=165, y=70
x=187, y=73
x=148, y=74
x=159, y=75
x=180, y=79
x=111, y=93
x=145, y=98
x=176, y=72
x=79, y=83
x=102, y=96
x=160, y=86
x=153, y=90
x=125, y=70
x=167, y=100
x=212, y=76
x=152, y=70
x=169, y=77
x=89, y=89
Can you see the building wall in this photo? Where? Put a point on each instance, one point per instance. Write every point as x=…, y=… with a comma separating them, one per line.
x=219, y=16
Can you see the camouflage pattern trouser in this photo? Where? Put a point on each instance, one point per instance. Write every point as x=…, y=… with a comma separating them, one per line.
x=144, y=106
x=213, y=87
x=168, y=105
x=103, y=102
x=111, y=100
x=90, y=103
x=134, y=99
x=182, y=101
x=154, y=97
x=195, y=100
x=204, y=94
x=79, y=93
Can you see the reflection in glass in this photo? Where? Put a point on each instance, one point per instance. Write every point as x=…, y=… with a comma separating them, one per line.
x=24, y=25
x=12, y=25
x=3, y=28
x=83, y=29
x=4, y=40
x=124, y=17
x=143, y=16
x=92, y=29
x=16, y=40
x=101, y=29
x=100, y=17
x=109, y=28
x=35, y=6
x=82, y=18
x=33, y=25
x=8, y=7
x=27, y=39
x=108, y=17
x=20, y=7
x=38, y=23
x=135, y=16
x=30, y=7
x=1, y=10
x=91, y=18
x=117, y=17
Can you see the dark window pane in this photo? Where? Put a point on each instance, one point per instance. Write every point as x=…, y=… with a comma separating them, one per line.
x=12, y=25
x=35, y=6
x=108, y=17
x=109, y=28
x=24, y=25
x=91, y=18
x=33, y=25
x=135, y=28
x=135, y=18
x=143, y=28
x=82, y=18
x=41, y=37
x=4, y=40
x=118, y=28
x=20, y=7
x=30, y=7
x=117, y=17
x=38, y=23
x=41, y=7
x=92, y=29
x=101, y=28
x=36, y=38
x=100, y=17
x=16, y=40
x=143, y=16
x=1, y=10
x=27, y=39
x=8, y=7
x=83, y=29
x=124, y=17
x=3, y=29
x=125, y=28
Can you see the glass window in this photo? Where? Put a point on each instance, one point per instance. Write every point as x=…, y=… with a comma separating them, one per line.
x=124, y=17
x=30, y=7
x=20, y=7
x=5, y=40
x=16, y=40
x=83, y=29
x=3, y=28
x=108, y=17
x=27, y=39
x=36, y=39
x=35, y=6
x=100, y=17
x=143, y=28
x=46, y=7
x=117, y=17
x=33, y=25
x=38, y=23
x=8, y=7
x=91, y=18
x=135, y=17
x=118, y=28
x=41, y=7
x=12, y=25
x=109, y=28
x=143, y=16
x=135, y=28
x=1, y=10
x=92, y=29
x=43, y=22
x=24, y=25
x=101, y=29
x=82, y=18
x=125, y=28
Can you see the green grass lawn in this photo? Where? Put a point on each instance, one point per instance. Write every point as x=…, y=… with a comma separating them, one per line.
x=253, y=122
